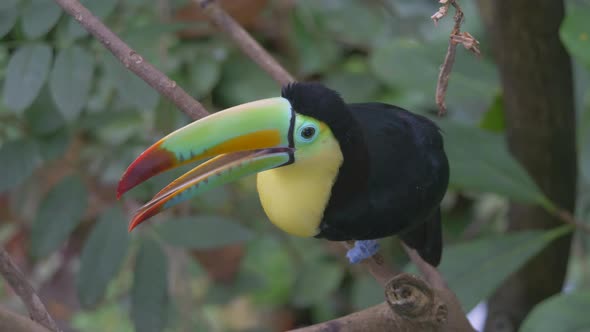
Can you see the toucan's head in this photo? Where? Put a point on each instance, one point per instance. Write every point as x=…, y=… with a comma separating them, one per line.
x=305, y=124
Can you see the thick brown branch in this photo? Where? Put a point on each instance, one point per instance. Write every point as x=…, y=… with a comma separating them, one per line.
x=430, y=273
x=12, y=322
x=412, y=305
x=242, y=38
x=133, y=61
x=19, y=284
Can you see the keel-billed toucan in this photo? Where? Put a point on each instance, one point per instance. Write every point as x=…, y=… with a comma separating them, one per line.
x=325, y=168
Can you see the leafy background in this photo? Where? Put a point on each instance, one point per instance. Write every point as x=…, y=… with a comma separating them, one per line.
x=72, y=119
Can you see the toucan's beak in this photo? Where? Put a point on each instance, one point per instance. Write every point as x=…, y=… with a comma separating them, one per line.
x=243, y=140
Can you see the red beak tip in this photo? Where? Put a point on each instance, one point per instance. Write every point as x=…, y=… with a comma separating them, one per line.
x=121, y=189
x=132, y=225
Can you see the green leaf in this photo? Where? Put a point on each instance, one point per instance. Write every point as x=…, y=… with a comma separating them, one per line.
x=482, y=163
x=113, y=127
x=205, y=73
x=245, y=282
x=70, y=80
x=316, y=49
x=18, y=160
x=203, y=232
x=493, y=119
x=149, y=295
x=243, y=81
x=39, y=16
x=120, y=127
x=575, y=33
x=8, y=18
x=99, y=263
x=26, y=73
x=60, y=212
x=475, y=269
x=42, y=117
x=132, y=90
x=5, y=4
x=54, y=145
x=100, y=9
x=316, y=282
x=267, y=258
x=584, y=144
x=337, y=17
x=354, y=87
x=562, y=312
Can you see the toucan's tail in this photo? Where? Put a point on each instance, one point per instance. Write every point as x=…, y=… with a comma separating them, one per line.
x=426, y=238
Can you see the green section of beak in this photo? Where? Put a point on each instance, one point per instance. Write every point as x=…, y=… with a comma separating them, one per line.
x=257, y=125
x=213, y=173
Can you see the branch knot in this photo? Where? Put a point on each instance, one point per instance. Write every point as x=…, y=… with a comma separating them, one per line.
x=412, y=298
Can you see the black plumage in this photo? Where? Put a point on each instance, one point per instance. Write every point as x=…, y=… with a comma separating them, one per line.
x=394, y=172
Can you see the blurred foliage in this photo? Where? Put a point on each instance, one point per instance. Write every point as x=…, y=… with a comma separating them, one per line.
x=72, y=119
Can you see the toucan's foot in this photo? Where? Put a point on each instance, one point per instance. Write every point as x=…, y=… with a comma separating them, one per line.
x=362, y=250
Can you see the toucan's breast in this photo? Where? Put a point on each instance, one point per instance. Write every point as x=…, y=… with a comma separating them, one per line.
x=294, y=197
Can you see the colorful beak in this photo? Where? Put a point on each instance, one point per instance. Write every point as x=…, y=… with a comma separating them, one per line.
x=244, y=140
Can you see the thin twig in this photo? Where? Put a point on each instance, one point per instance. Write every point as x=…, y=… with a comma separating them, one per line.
x=17, y=281
x=242, y=38
x=455, y=38
x=568, y=218
x=134, y=61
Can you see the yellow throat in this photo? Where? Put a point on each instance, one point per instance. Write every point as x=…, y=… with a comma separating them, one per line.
x=294, y=197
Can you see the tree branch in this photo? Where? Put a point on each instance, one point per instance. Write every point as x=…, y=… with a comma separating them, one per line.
x=568, y=218
x=12, y=322
x=456, y=37
x=429, y=272
x=244, y=40
x=19, y=284
x=411, y=305
x=134, y=61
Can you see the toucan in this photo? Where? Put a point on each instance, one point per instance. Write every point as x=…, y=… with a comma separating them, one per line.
x=325, y=168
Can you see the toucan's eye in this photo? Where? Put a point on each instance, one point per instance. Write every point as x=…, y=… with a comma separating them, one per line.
x=307, y=132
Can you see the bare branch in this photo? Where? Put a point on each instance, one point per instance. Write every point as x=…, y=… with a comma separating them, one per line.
x=17, y=281
x=455, y=38
x=568, y=218
x=411, y=305
x=134, y=61
x=12, y=322
x=430, y=273
x=242, y=38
